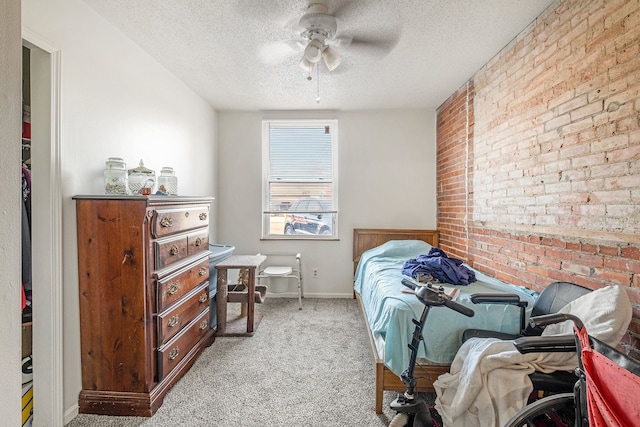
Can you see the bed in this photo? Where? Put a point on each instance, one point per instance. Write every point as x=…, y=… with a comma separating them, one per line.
x=378, y=255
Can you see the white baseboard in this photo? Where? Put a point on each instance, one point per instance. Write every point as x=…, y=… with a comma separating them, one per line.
x=71, y=413
x=308, y=295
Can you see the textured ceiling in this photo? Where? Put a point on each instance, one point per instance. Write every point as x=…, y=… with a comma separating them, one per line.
x=240, y=55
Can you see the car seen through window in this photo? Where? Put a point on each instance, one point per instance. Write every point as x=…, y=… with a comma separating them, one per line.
x=309, y=216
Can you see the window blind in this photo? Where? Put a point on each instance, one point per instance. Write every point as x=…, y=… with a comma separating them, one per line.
x=300, y=165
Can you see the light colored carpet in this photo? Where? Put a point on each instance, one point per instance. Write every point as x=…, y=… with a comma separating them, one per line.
x=301, y=368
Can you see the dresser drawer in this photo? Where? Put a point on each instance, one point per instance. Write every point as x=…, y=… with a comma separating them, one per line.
x=197, y=242
x=173, y=287
x=171, y=321
x=170, y=354
x=170, y=250
x=172, y=221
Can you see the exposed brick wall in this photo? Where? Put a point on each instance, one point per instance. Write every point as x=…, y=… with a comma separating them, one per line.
x=454, y=130
x=550, y=169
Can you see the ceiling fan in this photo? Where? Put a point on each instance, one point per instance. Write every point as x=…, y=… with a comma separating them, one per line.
x=319, y=28
x=316, y=33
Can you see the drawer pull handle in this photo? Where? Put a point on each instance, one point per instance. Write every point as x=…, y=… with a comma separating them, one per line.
x=173, y=321
x=202, y=271
x=203, y=297
x=174, y=353
x=203, y=325
x=172, y=288
x=203, y=216
x=186, y=214
x=174, y=250
x=166, y=222
x=198, y=241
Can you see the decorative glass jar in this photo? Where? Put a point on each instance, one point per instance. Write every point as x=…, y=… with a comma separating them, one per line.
x=115, y=176
x=141, y=180
x=168, y=182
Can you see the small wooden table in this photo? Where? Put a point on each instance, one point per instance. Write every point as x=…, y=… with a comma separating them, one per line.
x=235, y=327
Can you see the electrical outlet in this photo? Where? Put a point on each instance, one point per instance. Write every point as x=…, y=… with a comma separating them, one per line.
x=315, y=272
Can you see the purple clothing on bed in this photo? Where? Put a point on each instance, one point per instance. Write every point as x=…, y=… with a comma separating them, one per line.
x=440, y=266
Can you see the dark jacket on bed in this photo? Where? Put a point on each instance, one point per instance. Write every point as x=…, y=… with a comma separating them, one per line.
x=440, y=266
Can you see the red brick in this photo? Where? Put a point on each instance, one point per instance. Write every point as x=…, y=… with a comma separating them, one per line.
x=622, y=264
x=574, y=246
x=630, y=252
x=527, y=256
x=576, y=268
x=558, y=254
x=587, y=259
x=550, y=262
x=608, y=250
x=612, y=277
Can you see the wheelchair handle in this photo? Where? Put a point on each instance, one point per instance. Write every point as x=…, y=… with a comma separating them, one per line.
x=429, y=296
x=549, y=319
x=459, y=307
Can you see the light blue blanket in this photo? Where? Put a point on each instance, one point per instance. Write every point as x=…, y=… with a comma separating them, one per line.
x=389, y=311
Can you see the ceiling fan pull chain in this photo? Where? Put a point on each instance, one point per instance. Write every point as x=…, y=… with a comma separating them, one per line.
x=317, y=84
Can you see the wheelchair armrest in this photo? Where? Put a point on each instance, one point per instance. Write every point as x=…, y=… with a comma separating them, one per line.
x=548, y=319
x=497, y=299
x=546, y=344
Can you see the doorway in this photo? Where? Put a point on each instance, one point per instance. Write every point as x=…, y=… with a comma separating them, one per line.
x=46, y=223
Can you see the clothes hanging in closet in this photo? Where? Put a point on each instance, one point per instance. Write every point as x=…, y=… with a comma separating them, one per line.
x=26, y=244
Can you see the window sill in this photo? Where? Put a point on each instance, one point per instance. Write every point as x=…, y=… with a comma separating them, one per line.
x=318, y=239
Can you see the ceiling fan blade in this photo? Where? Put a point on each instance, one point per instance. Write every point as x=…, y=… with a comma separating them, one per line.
x=341, y=42
x=277, y=52
x=382, y=44
x=341, y=8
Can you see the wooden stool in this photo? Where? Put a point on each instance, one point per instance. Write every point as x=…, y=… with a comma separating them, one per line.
x=246, y=294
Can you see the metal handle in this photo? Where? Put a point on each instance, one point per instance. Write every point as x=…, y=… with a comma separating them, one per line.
x=166, y=222
x=173, y=321
x=198, y=241
x=174, y=353
x=203, y=325
x=203, y=216
x=174, y=250
x=202, y=271
x=172, y=288
x=203, y=297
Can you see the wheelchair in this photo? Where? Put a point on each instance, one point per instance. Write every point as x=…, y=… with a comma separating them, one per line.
x=607, y=389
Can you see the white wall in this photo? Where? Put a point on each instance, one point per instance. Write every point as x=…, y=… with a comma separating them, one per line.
x=116, y=101
x=386, y=180
x=10, y=211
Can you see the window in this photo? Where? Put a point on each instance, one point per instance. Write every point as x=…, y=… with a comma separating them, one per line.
x=299, y=179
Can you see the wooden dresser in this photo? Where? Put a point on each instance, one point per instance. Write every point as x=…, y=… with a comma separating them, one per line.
x=143, y=267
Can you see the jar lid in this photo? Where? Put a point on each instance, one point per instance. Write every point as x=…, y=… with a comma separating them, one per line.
x=166, y=170
x=115, y=162
x=141, y=170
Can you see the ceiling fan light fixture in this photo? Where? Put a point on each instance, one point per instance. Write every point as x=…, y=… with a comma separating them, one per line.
x=331, y=58
x=313, y=51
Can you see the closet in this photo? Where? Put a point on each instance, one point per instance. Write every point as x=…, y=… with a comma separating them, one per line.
x=27, y=282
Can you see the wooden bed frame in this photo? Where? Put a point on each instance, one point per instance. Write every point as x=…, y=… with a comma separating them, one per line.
x=368, y=238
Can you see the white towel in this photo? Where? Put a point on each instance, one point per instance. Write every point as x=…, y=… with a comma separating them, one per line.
x=489, y=379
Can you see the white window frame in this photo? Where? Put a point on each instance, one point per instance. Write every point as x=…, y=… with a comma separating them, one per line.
x=267, y=212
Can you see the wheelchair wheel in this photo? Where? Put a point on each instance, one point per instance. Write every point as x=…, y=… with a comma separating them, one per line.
x=555, y=410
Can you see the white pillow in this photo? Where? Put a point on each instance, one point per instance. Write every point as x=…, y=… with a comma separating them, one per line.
x=605, y=312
